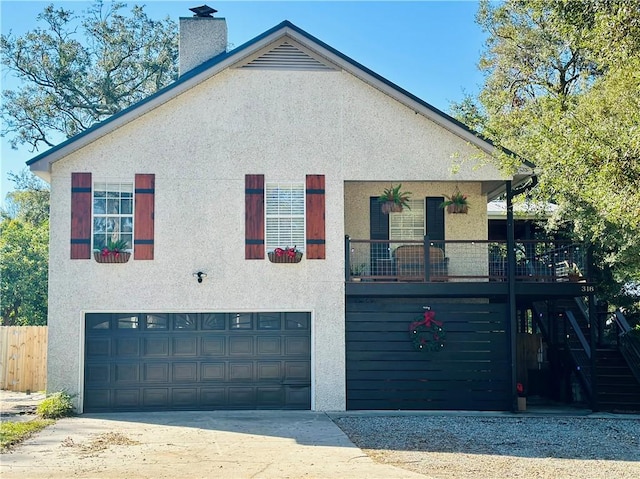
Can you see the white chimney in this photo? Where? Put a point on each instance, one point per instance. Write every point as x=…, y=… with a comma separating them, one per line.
x=202, y=37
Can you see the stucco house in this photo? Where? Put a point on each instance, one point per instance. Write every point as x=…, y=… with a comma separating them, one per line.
x=286, y=142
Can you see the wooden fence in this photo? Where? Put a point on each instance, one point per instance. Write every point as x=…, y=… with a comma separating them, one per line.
x=23, y=358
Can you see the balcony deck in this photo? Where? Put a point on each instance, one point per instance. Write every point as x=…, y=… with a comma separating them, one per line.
x=464, y=268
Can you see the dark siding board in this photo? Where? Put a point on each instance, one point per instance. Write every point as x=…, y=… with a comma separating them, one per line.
x=384, y=371
x=81, y=219
x=315, y=217
x=143, y=243
x=254, y=217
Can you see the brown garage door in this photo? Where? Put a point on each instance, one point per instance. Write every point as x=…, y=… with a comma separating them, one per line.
x=197, y=361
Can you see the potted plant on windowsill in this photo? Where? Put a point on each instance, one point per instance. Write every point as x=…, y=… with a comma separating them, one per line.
x=114, y=252
x=394, y=200
x=456, y=203
x=286, y=255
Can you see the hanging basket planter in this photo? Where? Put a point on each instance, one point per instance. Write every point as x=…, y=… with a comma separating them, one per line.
x=456, y=208
x=391, y=207
x=287, y=255
x=111, y=257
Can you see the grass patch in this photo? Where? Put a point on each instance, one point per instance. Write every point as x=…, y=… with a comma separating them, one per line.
x=12, y=433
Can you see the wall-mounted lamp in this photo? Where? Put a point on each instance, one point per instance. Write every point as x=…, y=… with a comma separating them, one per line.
x=200, y=275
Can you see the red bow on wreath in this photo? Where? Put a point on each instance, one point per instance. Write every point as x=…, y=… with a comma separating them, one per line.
x=429, y=319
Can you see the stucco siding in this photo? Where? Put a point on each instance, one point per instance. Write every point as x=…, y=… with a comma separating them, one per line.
x=200, y=145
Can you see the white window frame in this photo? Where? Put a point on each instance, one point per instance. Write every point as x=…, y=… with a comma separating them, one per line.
x=118, y=188
x=285, y=215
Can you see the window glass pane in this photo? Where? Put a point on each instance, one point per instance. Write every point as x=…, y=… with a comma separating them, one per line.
x=240, y=321
x=127, y=322
x=408, y=224
x=297, y=320
x=184, y=321
x=285, y=219
x=269, y=321
x=213, y=321
x=125, y=206
x=98, y=321
x=112, y=214
x=156, y=321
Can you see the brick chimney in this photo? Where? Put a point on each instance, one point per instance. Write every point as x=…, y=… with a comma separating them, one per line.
x=202, y=37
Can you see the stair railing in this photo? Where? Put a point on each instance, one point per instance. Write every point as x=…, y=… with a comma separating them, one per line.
x=583, y=364
x=629, y=343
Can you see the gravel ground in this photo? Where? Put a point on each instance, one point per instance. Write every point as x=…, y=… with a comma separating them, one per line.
x=466, y=447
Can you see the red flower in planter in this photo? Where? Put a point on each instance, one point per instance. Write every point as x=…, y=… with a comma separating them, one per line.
x=520, y=389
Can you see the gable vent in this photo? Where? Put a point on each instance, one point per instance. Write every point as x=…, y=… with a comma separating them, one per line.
x=286, y=57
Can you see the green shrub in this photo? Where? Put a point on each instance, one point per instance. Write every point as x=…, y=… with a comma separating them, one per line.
x=55, y=405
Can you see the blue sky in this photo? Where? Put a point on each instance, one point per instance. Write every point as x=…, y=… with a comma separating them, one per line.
x=430, y=48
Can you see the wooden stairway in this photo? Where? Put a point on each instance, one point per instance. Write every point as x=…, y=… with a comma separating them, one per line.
x=618, y=389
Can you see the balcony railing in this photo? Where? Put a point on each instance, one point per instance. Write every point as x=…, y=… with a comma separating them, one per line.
x=468, y=260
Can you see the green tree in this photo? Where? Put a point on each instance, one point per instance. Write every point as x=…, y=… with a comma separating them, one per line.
x=562, y=89
x=77, y=71
x=24, y=252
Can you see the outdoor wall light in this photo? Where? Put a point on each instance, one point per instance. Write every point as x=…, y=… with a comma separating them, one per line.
x=200, y=275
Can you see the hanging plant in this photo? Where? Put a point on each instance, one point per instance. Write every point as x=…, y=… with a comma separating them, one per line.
x=456, y=203
x=427, y=333
x=394, y=200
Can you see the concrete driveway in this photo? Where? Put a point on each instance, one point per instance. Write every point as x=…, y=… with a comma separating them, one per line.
x=245, y=444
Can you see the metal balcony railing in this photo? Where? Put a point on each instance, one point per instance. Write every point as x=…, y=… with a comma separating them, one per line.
x=463, y=260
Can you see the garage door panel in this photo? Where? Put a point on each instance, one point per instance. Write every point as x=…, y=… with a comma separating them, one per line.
x=156, y=346
x=240, y=371
x=269, y=345
x=298, y=396
x=156, y=372
x=213, y=397
x=156, y=397
x=98, y=374
x=165, y=361
x=97, y=347
x=241, y=345
x=269, y=396
x=97, y=399
x=269, y=371
x=297, y=370
x=213, y=346
x=126, y=398
x=183, y=397
x=242, y=397
x=127, y=372
x=185, y=372
x=185, y=346
x=128, y=346
x=212, y=371
x=297, y=346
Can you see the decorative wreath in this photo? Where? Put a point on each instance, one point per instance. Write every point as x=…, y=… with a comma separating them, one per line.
x=427, y=333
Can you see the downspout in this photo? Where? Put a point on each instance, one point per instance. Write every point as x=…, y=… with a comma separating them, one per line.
x=511, y=288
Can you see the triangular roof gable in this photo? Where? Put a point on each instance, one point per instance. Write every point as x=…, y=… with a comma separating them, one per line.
x=243, y=54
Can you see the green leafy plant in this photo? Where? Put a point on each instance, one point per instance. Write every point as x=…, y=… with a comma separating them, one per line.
x=358, y=269
x=394, y=194
x=456, y=198
x=55, y=405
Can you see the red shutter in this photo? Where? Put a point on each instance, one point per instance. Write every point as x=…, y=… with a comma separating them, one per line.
x=80, y=215
x=254, y=217
x=144, y=216
x=315, y=217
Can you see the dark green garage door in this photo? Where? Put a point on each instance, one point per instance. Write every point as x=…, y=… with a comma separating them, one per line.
x=140, y=361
